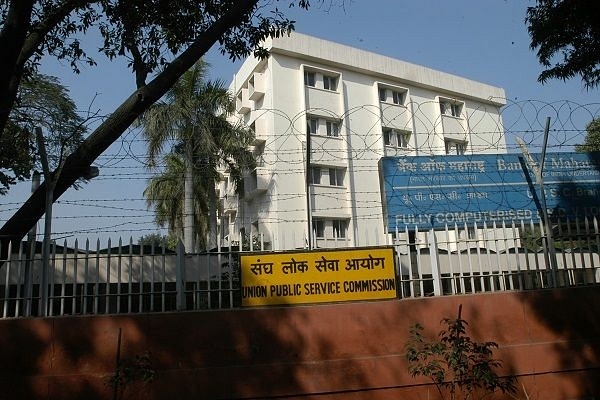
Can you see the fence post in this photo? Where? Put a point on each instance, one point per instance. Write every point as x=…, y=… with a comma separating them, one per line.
x=180, y=276
x=435, y=263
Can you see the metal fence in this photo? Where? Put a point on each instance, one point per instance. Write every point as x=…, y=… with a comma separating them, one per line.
x=497, y=258
x=129, y=278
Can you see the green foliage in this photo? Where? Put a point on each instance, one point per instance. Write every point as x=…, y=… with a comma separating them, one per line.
x=165, y=192
x=138, y=368
x=149, y=34
x=592, y=137
x=159, y=241
x=43, y=102
x=255, y=243
x=566, y=35
x=16, y=157
x=459, y=367
x=566, y=235
x=192, y=123
x=531, y=239
x=143, y=31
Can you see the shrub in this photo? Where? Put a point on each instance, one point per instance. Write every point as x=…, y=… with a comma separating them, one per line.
x=459, y=367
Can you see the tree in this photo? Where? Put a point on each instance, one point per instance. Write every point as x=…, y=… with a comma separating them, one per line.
x=566, y=35
x=592, y=137
x=16, y=158
x=43, y=103
x=193, y=117
x=159, y=241
x=165, y=193
x=144, y=31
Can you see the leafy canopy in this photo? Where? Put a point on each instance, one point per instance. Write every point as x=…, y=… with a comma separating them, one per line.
x=592, y=137
x=566, y=35
x=182, y=32
x=42, y=103
x=159, y=241
x=145, y=32
x=149, y=34
x=193, y=121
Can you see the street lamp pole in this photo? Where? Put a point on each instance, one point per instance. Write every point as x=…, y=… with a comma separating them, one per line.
x=50, y=182
x=50, y=179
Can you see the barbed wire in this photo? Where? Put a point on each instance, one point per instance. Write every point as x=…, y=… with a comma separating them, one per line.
x=485, y=129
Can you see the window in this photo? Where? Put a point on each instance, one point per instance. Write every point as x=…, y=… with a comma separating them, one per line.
x=339, y=228
x=382, y=94
x=387, y=136
x=329, y=82
x=444, y=108
x=455, y=147
x=318, y=227
x=397, y=97
x=315, y=175
x=332, y=128
x=311, y=125
x=449, y=108
x=402, y=139
x=396, y=138
x=336, y=177
x=455, y=110
x=309, y=78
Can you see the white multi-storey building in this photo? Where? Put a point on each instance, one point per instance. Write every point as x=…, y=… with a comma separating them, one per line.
x=324, y=114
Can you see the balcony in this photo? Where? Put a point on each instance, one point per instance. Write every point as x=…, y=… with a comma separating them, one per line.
x=242, y=102
x=328, y=151
x=258, y=149
x=329, y=201
x=391, y=151
x=256, y=86
x=321, y=102
x=454, y=128
x=256, y=182
x=259, y=126
x=395, y=116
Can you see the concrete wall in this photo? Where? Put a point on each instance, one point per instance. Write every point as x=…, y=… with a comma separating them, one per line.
x=549, y=339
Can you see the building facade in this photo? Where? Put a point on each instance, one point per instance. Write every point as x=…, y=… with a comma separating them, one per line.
x=324, y=114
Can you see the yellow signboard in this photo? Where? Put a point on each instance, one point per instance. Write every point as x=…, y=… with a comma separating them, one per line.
x=318, y=276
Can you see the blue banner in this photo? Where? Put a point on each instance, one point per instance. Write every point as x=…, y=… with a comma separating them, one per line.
x=432, y=191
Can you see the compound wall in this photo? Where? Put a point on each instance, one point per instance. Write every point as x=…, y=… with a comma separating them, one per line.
x=548, y=339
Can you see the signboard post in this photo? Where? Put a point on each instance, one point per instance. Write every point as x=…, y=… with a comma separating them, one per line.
x=318, y=276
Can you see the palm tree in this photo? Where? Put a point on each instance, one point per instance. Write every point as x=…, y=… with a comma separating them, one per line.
x=193, y=121
x=165, y=193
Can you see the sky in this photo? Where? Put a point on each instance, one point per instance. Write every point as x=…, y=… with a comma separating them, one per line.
x=482, y=40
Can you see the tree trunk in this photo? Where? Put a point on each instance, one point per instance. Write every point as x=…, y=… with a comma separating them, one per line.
x=114, y=126
x=212, y=218
x=189, y=231
x=20, y=38
x=12, y=37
